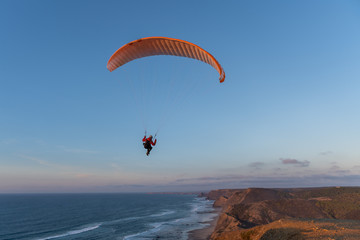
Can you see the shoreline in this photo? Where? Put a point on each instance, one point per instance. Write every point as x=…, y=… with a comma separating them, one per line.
x=205, y=233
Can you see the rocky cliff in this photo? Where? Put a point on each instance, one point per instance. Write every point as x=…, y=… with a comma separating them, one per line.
x=246, y=211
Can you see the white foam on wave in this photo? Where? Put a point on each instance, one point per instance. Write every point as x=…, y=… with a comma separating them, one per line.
x=73, y=232
x=168, y=212
x=202, y=205
x=199, y=217
x=162, y=213
x=156, y=227
x=122, y=220
x=202, y=211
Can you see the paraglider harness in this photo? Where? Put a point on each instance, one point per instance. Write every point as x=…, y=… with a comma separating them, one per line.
x=147, y=144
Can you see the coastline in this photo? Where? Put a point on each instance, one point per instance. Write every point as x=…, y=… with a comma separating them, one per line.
x=205, y=233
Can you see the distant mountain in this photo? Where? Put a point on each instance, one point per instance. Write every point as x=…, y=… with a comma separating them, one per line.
x=258, y=213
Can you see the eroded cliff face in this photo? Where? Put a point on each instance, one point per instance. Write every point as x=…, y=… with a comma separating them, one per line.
x=244, y=209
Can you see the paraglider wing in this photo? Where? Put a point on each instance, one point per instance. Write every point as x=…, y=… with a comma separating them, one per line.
x=151, y=46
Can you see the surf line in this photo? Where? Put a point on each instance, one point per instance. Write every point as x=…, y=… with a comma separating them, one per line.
x=73, y=232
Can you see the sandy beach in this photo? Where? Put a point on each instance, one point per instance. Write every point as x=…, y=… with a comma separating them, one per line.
x=205, y=233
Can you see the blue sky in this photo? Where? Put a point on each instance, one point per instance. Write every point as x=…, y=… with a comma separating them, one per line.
x=287, y=114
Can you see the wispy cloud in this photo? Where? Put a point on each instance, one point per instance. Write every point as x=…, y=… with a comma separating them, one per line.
x=334, y=168
x=338, y=171
x=46, y=163
x=78, y=150
x=136, y=186
x=210, y=179
x=115, y=166
x=58, y=168
x=256, y=165
x=326, y=153
x=83, y=175
x=295, y=162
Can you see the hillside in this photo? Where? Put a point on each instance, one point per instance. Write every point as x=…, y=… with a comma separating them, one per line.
x=298, y=229
x=257, y=213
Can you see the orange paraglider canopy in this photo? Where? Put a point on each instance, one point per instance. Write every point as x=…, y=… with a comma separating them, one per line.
x=151, y=46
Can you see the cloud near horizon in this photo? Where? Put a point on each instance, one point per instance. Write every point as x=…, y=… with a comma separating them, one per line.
x=295, y=162
x=256, y=165
x=338, y=170
x=241, y=181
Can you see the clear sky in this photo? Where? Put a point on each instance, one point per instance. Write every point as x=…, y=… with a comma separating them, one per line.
x=287, y=114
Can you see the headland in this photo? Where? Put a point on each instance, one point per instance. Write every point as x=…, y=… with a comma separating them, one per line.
x=291, y=213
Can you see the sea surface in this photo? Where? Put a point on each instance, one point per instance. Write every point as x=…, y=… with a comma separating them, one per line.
x=102, y=216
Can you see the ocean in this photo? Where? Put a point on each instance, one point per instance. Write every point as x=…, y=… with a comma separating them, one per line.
x=102, y=216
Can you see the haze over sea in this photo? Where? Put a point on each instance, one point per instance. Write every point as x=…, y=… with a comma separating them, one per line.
x=101, y=216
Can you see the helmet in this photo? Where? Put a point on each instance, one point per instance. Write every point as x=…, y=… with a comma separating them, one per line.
x=150, y=136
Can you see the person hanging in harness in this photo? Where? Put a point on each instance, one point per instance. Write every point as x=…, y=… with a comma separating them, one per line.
x=147, y=142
